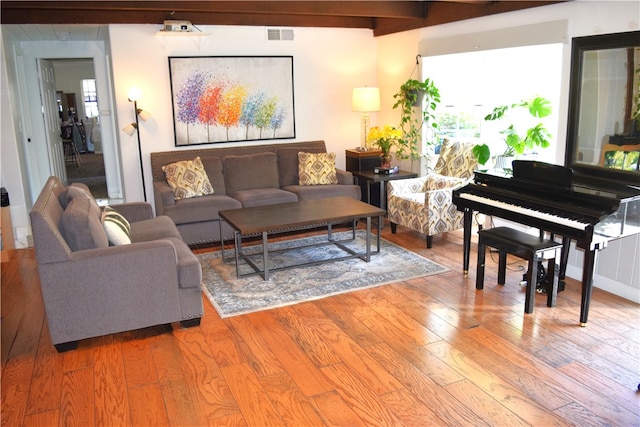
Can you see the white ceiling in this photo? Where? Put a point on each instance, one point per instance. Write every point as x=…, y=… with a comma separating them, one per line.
x=56, y=32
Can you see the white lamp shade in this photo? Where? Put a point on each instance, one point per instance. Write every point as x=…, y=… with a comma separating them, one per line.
x=134, y=94
x=365, y=99
x=144, y=115
x=129, y=129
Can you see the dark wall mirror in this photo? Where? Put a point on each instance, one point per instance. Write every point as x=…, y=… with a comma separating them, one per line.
x=603, y=133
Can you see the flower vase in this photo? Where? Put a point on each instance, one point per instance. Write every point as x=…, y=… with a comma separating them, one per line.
x=385, y=161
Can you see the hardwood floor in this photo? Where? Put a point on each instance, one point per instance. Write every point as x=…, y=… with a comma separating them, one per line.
x=430, y=351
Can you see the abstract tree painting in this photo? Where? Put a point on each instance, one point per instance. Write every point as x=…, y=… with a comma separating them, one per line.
x=232, y=98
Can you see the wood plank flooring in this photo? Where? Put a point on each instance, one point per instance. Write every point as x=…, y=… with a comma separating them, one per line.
x=428, y=351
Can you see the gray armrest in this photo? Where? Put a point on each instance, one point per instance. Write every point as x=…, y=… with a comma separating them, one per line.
x=135, y=211
x=344, y=177
x=163, y=196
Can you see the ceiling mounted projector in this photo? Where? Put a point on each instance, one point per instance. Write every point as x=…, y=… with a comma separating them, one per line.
x=178, y=26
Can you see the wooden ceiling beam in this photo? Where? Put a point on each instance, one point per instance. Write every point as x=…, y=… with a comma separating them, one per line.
x=384, y=17
x=443, y=12
x=14, y=11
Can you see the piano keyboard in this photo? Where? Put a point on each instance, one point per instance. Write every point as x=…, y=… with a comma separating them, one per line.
x=578, y=225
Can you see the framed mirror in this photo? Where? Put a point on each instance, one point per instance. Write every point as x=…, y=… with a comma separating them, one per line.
x=603, y=132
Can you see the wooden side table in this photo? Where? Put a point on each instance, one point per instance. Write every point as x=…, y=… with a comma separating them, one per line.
x=369, y=178
x=357, y=160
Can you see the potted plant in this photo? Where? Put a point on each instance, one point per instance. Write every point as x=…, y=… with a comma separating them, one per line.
x=518, y=141
x=411, y=96
x=385, y=139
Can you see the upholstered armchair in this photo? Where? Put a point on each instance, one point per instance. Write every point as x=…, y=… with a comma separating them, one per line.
x=425, y=204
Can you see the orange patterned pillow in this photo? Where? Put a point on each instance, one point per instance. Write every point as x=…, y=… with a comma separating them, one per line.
x=188, y=179
x=317, y=168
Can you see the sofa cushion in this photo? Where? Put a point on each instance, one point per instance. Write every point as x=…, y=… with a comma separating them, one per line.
x=258, y=170
x=311, y=192
x=288, y=164
x=81, y=228
x=79, y=189
x=263, y=196
x=116, y=226
x=317, y=168
x=148, y=230
x=213, y=167
x=200, y=209
x=188, y=178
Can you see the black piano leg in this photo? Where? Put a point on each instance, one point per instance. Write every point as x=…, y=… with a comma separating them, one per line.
x=466, y=246
x=564, y=259
x=587, y=283
x=552, y=283
x=532, y=274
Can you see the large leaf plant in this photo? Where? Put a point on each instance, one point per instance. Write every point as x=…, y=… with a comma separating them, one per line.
x=518, y=141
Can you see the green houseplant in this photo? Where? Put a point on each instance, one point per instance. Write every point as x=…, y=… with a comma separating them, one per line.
x=409, y=98
x=518, y=141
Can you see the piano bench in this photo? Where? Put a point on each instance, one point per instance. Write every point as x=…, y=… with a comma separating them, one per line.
x=534, y=249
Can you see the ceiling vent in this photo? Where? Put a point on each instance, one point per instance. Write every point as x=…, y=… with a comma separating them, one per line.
x=276, y=34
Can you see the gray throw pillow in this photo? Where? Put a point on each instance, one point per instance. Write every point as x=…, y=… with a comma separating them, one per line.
x=81, y=228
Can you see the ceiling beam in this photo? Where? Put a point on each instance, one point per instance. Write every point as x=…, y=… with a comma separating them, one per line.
x=443, y=12
x=384, y=17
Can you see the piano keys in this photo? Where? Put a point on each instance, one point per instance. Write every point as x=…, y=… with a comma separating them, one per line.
x=550, y=198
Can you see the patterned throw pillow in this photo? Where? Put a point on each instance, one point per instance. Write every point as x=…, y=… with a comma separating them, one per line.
x=317, y=168
x=116, y=226
x=188, y=179
x=456, y=159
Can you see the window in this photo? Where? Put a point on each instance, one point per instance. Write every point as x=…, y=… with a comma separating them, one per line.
x=471, y=84
x=90, y=97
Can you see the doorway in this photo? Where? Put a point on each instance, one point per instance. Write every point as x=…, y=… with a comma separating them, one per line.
x=79, y=123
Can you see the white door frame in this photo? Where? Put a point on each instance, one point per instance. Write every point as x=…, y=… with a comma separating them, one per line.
x=35, y=139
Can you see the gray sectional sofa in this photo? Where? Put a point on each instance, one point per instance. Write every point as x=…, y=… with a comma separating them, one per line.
x=241, y=177
x=91, y=288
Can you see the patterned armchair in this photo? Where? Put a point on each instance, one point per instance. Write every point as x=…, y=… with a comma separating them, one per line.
x=425, y=204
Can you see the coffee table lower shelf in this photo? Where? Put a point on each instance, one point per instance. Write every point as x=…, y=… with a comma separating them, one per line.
x=302, y=215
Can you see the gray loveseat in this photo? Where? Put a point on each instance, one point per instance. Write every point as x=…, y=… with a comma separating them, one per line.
x=90, y=288
x=241, y=177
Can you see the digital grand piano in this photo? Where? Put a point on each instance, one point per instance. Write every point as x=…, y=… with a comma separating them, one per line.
x=550, y=198
x=589, y=200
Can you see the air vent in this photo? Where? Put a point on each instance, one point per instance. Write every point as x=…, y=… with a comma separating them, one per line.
x=276, y=34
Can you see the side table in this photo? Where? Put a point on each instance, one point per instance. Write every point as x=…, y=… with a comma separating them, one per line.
x=370, y=178
x=357, y=160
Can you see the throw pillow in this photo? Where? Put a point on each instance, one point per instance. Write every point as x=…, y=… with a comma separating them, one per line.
x=456, y=159
x=317, y=168
x=188, y=178
x=116, y=226
x=80, y=228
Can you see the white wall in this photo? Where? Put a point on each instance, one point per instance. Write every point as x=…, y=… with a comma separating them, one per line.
x=328, y=63
x=617, y=270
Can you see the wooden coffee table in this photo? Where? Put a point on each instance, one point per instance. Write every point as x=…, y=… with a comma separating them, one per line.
x=285, y=217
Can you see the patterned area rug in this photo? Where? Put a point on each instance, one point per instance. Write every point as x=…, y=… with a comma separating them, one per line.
x=232, y=296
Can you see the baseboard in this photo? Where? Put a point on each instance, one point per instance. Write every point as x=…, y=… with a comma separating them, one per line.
x=616, y=288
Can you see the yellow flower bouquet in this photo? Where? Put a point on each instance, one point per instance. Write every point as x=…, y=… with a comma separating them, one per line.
x=384, y=138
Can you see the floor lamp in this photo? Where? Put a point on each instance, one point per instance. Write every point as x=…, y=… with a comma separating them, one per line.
x=365, y=100
x=134, y=95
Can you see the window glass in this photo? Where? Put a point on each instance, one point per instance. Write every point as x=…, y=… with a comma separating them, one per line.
x=472, y=84
x=90, y=97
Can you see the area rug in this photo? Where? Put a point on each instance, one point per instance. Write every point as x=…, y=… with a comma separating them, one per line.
x=232, y=296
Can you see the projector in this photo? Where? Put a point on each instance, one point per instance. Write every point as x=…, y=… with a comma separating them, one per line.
x=178, y=26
